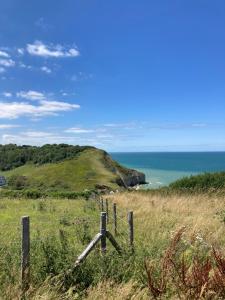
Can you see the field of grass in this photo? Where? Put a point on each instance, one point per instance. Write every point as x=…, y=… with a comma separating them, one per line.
x=77, y=174
x=60, y=229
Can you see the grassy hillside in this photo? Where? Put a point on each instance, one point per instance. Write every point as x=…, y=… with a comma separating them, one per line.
x=61, y=229
x=79, y=173
x=89, y=169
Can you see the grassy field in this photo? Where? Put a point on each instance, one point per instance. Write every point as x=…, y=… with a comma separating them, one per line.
x=60, y=229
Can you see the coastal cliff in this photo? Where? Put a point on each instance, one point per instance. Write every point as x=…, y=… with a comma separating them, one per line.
x=66, y=168
x=125, y=177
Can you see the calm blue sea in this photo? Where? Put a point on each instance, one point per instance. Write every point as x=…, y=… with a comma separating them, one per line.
x=164, y=167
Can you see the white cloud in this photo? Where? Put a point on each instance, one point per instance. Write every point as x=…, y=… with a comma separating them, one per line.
x=4, y=54
x=13, y=110
x=8, y=126
x=130, y=125
x=7, y=94
x=78, y=130
x=22, y=65
x=40, y=49
x=46, y=70
x=41, y=138
x=48, y=106
x=20, y=51
x=7, y=62
x=30, y=95
x=36, y=134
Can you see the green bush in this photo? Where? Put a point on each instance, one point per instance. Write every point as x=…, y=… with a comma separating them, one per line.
x=17, y=182
x=202, y=182
x=32, y=194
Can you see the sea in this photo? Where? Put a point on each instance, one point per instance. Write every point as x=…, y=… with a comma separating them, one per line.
x=162, y=168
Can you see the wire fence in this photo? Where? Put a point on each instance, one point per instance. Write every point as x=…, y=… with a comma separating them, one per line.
x=23, y=240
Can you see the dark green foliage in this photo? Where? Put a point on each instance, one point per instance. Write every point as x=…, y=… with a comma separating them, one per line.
x=17, y=182
x=35, y=194
x=201, y=182
x=13, y=156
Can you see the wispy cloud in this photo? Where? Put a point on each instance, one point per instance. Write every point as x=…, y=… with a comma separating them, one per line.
x=2, y=70
x=37, y=134
x=20, y=51
x=31, y=95
x=130, y=125
x=4, y=54
x=24, y=66
x=46, y=70
x=7, y=62
x=38, y=48
x=33, y=137
x=78, y=130
x=8, y=126
x=13, y=110
x=7, y=94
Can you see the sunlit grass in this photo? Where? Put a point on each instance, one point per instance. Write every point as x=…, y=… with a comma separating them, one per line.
x=156, y=218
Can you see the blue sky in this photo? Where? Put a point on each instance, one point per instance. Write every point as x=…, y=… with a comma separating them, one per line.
x=119, y=75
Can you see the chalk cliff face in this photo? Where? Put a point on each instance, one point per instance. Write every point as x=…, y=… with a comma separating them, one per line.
x=134, y=178
x=125, y=177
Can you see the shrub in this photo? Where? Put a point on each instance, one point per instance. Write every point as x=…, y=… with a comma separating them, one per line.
x=32, y=194
x=201, y=182
x=17, y=182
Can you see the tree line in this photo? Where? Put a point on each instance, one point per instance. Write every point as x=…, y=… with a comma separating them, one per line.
x=13, y=156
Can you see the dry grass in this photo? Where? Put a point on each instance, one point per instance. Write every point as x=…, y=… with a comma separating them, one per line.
x=111, y=291
x=157, y=215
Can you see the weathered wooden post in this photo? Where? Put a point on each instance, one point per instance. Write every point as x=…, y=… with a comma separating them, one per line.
x=114, y=219
x=131, y=228
x=98, y=202
x=103, y=231
x=25, y=254
x=107, y=210
x=102, y=205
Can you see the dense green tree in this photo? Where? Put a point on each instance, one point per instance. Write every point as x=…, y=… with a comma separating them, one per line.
x=13, y=156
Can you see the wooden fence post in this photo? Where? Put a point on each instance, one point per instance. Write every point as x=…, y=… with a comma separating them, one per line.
x=103, y=231
x=114, y=219
x=102, y=205
x=25, y=254
x=131, y=228
x=107, y=210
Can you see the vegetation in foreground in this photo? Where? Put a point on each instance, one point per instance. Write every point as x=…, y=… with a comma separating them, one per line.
x=60, y=229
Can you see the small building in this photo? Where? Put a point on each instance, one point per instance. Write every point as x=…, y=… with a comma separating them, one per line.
x=2, y=181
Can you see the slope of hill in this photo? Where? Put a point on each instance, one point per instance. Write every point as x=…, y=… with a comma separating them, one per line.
x=91, y=168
